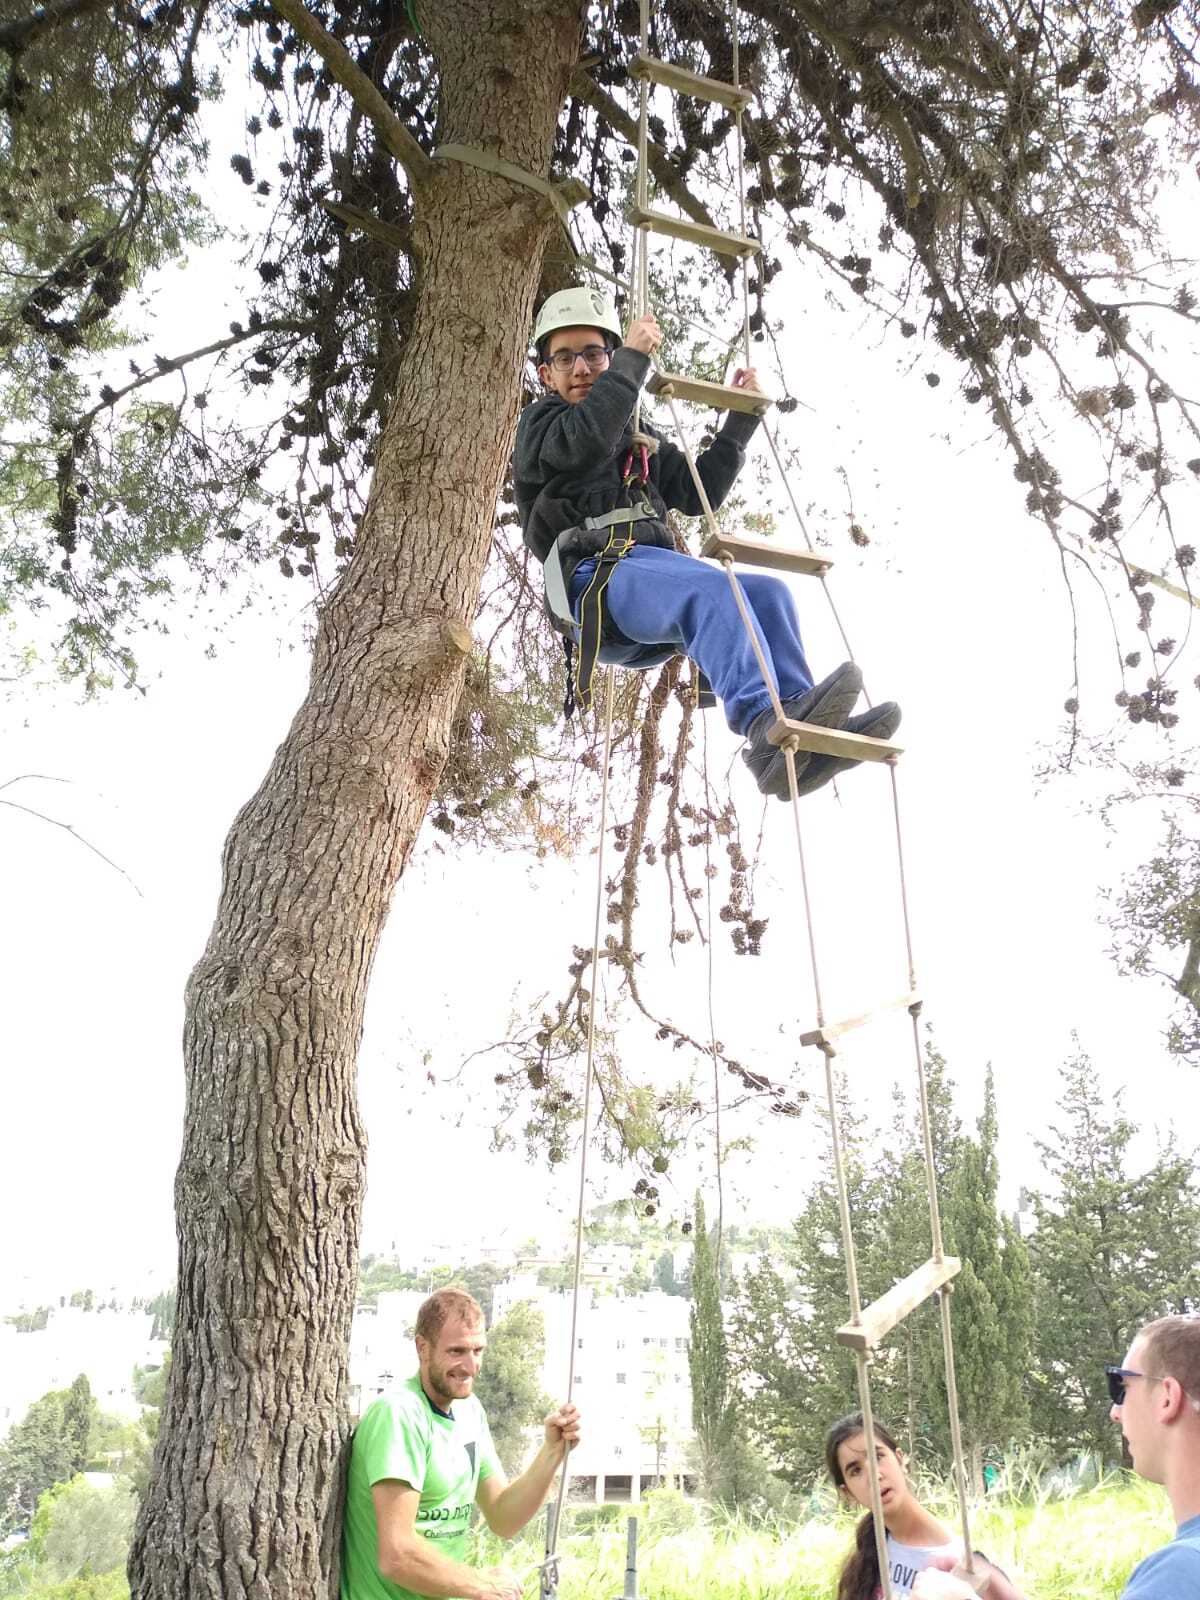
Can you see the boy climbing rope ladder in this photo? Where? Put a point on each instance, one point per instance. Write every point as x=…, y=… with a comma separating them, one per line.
x=593, y=496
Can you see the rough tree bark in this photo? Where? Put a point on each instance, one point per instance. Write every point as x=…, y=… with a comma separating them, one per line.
x=245, y=1496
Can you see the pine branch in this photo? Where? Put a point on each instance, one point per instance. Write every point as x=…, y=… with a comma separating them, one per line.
x=165, y=364
x=845, y=36
x=585, y=89
x=355, y=218
x=67, y=827
x=15, y=36
x=362, y=91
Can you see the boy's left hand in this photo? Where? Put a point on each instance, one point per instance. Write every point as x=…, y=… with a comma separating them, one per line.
x=747, y=378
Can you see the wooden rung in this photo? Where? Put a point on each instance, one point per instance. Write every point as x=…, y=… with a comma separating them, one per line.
x=681, y=81
x=882, y=1315
x=834, y=1030
x=725, y=244
x=765, y=553
x=722, y=396
x=834, y=741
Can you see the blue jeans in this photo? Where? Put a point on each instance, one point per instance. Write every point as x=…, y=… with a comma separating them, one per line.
x=672, y=601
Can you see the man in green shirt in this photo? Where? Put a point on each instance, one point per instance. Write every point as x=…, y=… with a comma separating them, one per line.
x=422, y=1457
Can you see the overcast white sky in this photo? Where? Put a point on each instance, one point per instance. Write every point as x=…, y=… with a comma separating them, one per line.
x=957, y=609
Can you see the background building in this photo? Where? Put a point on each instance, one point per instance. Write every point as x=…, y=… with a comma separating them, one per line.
x=105, y=1346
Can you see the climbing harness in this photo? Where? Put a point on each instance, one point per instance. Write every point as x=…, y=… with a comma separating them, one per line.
x=591, y=609
x=558, y=601
x=582, y=639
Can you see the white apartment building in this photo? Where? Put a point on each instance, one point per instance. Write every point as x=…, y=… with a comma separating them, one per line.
x=104, y=1345
x=631, y=1384
x=381, y=1346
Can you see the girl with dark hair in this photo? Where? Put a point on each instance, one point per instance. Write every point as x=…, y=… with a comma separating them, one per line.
x=916, y=1540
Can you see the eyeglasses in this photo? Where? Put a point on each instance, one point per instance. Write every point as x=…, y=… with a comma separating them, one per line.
x=596, y=356
x=1118, y=1377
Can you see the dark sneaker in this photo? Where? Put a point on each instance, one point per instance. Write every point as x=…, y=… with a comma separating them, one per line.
x=829, y=703
x=877, y=722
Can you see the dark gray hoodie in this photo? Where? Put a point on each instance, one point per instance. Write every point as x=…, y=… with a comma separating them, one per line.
x=568, y=460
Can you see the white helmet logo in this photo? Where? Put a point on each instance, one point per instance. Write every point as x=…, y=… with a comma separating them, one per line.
x=572, y=308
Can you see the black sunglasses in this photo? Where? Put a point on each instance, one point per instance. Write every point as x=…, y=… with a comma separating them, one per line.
x=1118, y=1377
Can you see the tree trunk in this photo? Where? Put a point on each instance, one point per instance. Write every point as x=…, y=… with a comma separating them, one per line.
x=245, y=1496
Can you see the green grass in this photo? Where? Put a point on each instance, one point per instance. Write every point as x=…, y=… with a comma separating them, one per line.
x=1079, y=1547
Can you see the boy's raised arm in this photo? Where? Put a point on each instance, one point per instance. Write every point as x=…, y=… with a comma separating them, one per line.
x=718, y=466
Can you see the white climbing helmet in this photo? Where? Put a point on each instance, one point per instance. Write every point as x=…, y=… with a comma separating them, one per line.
x=576, y=308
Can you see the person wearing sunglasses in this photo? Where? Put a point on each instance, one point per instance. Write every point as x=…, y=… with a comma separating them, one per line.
x=1155, y=1396
x=593, y=495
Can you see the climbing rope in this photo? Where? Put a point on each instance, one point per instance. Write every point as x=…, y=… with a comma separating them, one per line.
x=739, y=145
x=709, y=874
x=549, y=1567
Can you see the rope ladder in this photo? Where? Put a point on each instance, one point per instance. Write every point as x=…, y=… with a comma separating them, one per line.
x=868, y=1325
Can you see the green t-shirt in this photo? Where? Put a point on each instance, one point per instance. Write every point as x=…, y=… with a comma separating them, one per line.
x=445, y=1457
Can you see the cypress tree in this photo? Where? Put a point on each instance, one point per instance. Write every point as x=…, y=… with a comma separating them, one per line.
x=992, y=1301
x=79, y=1412
x=708, y=1357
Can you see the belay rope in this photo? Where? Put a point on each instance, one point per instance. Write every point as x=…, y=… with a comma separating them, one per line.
x=549, y=1568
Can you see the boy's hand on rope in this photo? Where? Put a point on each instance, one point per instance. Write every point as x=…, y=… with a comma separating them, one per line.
x=747, y=378
x=644, y=334
x=562, y=1427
